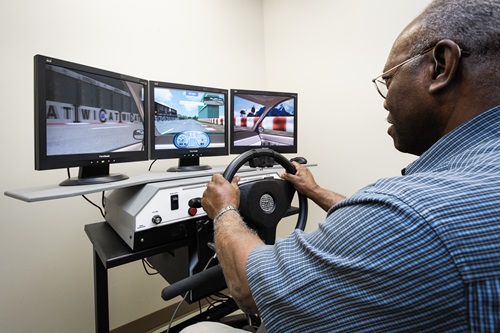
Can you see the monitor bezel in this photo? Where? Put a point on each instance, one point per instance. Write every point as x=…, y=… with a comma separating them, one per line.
x=187, y=156
x=43, y=161
x=239, y=149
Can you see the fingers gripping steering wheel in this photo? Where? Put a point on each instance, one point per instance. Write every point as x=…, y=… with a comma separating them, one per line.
x=264, y=202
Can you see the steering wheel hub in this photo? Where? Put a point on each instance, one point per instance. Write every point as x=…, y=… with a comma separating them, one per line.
x=267, y=203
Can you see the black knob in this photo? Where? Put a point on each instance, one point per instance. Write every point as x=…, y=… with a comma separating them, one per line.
x=156, y=219
x=195, y=203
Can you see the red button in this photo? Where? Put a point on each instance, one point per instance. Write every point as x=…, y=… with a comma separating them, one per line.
x=192, y=211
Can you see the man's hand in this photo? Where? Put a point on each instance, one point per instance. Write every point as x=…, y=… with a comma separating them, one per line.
x=219, y=194
x=304, y=182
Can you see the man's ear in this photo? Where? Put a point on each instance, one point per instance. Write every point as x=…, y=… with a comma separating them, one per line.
x=446, y=55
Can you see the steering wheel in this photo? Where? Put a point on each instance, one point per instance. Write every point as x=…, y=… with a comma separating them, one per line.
x=264, y=202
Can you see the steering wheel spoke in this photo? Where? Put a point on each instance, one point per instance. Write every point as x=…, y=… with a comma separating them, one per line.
x=265, y=201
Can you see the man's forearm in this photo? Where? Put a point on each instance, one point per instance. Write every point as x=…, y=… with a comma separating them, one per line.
x=325, y=198
x=233, y=243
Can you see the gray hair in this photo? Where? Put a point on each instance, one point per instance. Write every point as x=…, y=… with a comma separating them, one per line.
x=472, y=24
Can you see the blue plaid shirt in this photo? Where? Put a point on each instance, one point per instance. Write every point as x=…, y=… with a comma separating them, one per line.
x=417, y=253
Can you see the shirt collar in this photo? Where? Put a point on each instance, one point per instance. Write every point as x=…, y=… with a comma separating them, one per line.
x=480, y=128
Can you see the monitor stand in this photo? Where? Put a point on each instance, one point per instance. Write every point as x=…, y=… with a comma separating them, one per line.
x=189, y=164
x=93, y=174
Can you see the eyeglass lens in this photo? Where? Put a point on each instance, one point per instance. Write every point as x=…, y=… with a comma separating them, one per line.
x=381, y=87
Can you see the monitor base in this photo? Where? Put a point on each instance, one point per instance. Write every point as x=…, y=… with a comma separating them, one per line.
x=189, y=168
x=93, y=174
x=189, y=164
x=74, y=181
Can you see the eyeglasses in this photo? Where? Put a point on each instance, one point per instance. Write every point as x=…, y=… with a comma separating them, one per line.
x=381, y=80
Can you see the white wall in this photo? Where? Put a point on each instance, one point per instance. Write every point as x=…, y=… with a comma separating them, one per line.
x=326, y=50
x=46, y=257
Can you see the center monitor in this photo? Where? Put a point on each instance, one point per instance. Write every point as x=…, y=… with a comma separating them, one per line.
x=263, y=119
x=187, y=122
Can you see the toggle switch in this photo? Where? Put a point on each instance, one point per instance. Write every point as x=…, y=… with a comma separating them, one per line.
x=174, y=202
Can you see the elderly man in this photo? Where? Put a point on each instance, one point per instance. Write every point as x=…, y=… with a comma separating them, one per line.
x=416, y=253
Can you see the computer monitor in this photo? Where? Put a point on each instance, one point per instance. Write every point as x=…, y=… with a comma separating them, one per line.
x=88, y=118
x=263, y=119
x=187, y=122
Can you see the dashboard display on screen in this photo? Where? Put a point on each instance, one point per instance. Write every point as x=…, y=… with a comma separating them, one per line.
x=187, y=122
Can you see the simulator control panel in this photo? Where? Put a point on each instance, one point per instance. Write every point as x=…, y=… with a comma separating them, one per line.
x=158, y=213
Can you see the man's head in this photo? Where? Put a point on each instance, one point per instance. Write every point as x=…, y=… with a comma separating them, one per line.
x=456, y=79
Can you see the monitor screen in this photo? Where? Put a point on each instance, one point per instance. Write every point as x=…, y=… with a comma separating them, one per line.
x=187, y=122
x=263, y=119
x=89, y=118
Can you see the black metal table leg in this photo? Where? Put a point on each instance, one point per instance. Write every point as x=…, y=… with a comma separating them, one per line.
x=101, y=301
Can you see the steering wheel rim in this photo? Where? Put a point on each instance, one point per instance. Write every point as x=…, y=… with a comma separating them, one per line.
x=265, y=157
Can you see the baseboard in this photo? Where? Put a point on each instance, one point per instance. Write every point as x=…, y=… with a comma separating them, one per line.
x=160, y=318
